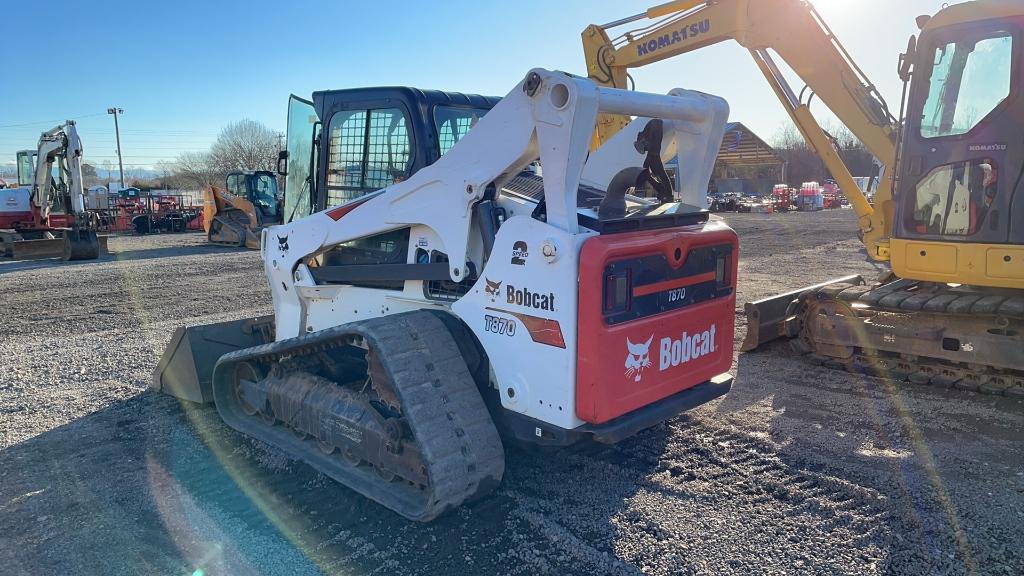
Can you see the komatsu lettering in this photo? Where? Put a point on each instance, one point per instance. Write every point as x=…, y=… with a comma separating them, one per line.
x=655, y=44
x=524, y=297
x=675, y=352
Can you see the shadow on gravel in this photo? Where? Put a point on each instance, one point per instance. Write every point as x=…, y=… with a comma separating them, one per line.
x=914, y=461
x=145, y=254
x=147, y=485
x=151, y=253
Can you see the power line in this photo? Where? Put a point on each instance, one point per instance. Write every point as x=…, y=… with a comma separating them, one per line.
x=44, y=122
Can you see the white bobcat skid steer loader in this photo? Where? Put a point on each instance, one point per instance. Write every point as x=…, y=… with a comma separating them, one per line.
x=483, y=295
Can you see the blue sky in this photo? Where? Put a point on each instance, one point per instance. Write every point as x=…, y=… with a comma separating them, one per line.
x=183, y=69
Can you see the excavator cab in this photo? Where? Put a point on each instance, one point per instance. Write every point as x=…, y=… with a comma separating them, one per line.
x=961, y=155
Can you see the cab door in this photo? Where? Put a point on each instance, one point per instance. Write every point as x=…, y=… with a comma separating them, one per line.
x=303, y=125
x=963, y=148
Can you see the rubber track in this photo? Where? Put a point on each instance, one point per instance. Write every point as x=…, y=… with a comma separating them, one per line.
x=236, y=221
x=439, y=401
x=897, y=297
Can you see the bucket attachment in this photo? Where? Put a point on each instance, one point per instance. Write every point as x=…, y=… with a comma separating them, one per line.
x=186, y=366
x=81, y=244
x=771, y=318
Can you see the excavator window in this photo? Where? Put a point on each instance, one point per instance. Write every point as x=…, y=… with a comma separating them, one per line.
x=969, y=78
x=955, y=199
x=26, y=167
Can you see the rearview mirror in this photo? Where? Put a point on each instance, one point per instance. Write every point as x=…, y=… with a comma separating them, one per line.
x=282, y=163
x=907, y=59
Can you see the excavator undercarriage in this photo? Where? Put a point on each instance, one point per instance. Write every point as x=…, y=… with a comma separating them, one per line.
x=921, y=332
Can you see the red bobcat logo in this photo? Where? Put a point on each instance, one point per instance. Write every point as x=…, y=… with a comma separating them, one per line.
x=639, y=358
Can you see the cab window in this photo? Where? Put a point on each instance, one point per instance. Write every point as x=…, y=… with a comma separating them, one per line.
x=234, y=185
x=453, y=123
x=367, y=150
x=955, y=199
x=969, y=78
x=264, y=193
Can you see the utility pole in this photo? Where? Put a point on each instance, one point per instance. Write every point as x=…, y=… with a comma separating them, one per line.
x=117, y=133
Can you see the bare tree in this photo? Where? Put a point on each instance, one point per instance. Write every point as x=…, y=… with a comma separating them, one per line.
x=804, y=165
x=196, y=169
x=245, y=145
x=242, y=145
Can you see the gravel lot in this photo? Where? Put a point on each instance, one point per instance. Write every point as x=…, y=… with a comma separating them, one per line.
x=799, y=470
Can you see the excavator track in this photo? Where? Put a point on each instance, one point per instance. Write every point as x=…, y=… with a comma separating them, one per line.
x=919, y=332
x=385, y=406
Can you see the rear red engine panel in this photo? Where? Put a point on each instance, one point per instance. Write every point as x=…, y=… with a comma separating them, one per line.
x=656, y=316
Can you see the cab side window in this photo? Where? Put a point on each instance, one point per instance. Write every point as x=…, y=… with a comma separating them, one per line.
x=233, y=185
x=452, y=123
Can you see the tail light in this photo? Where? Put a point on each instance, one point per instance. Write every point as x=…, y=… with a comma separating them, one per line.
x=723, y=271
x=618, y=291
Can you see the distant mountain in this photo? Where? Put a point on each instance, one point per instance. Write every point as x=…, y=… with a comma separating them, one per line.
x=129, y=174
x=9, y=170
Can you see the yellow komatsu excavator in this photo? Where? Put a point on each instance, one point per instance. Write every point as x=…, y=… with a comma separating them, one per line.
x=951, y=312
x=236, y=215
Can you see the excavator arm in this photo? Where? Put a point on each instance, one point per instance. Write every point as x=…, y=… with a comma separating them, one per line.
x=60, y=144
x=797, y=33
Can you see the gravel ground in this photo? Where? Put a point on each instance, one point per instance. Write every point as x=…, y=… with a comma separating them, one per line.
x=798, y=470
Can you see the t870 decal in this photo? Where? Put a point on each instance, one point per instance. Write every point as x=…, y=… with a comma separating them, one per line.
x=499, y=325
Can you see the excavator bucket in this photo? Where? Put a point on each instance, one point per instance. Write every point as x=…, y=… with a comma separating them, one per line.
x=81, y=245
x=185, y=369
x=771, y=318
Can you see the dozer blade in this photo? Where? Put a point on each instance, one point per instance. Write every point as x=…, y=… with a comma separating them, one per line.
x=769, y=319
x=55, y=248
x=35, y=249
x=186, y=367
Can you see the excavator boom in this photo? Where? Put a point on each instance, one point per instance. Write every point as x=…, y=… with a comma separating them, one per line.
x=798, y=34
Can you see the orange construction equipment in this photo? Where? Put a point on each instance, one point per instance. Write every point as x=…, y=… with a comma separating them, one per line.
x=237, y=214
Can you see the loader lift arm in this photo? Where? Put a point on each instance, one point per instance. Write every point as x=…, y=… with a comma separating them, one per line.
x=797, y=33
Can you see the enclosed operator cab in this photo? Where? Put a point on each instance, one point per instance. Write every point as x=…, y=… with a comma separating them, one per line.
x=368, y=139
x=962, y=156
x=260, y=188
